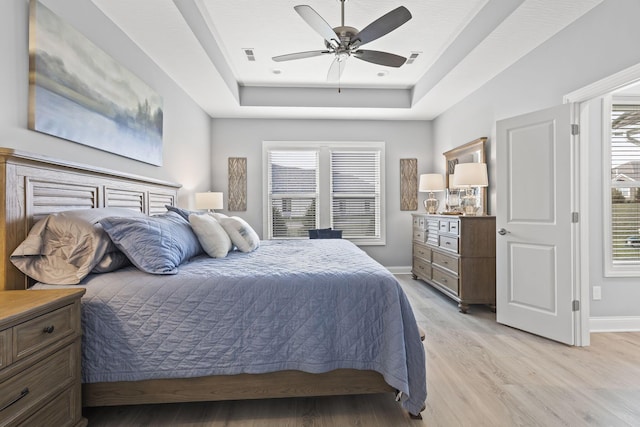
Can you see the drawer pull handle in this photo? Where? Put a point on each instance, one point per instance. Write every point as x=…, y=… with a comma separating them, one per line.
x=48, y=329
x=23, y=393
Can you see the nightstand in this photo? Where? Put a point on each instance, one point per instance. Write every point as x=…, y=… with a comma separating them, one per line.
x=40, y=358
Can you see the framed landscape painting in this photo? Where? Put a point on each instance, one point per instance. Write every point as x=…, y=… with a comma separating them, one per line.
x=79, y=93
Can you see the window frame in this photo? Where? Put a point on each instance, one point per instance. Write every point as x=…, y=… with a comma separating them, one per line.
x=324, y=204
x=612, y=268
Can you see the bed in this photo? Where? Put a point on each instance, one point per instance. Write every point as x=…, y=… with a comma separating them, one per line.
x=285, y=325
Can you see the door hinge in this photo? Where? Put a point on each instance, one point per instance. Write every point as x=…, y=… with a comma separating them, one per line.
x=575, y=129
x=575, y=217
x=575, y=305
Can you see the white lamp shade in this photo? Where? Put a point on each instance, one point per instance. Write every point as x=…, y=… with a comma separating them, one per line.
x=431, y=182
x=470, y=175
x=452, y=185
x=209, y=200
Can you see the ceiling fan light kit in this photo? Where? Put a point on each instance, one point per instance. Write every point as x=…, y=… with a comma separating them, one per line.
x=344, y=41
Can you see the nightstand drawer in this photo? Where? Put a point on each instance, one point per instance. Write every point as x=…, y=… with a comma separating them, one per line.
x=450, y=243
x=58, y=412
x=43, y=330
x=422, y=252
x=447, y=280
x=446, y=261
x=5, y=348
x=37, y=383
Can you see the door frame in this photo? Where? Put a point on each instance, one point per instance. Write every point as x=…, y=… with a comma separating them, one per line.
x=579, y=98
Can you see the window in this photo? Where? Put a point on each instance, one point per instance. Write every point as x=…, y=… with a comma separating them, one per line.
x=622, y=185
x=293, y=193
x=319, y=185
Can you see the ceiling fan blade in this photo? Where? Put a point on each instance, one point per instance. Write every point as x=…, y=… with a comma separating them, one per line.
x=380, y=58
x=381, y=26
x=335, y=70
x=299, y=55
x=316, y=22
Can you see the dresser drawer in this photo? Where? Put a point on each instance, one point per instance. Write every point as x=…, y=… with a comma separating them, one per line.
x=450, y=243
x=419, y=236
x=422, y=269
x=420, y=222
x=20, y=393
x=446, y=261
x=43, y=330
x=454, y=227
x=422, y=252
x=446, y=280
x=443, y=226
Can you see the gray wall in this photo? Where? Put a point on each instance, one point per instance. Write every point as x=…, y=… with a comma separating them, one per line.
x=599, y=44
x=186, y=148
x=403, y=139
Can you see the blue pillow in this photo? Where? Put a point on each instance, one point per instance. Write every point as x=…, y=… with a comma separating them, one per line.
x=184, y=213
x=155, y=244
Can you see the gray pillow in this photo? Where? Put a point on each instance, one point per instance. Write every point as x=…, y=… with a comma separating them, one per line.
x=63, y=248
x=155, y=244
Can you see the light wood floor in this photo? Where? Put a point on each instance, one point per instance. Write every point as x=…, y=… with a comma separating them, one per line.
x=479, y=373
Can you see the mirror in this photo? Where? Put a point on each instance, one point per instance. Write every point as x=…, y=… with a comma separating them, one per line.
x=472, y=152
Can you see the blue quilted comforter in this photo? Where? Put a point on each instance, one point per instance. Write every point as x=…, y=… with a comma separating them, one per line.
x=309, y=305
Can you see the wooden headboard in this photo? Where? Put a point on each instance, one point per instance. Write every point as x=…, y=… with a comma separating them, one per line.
x=35, y=186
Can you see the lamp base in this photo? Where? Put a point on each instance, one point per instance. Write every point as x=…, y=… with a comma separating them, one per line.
x=469, y=203
x=431, y=205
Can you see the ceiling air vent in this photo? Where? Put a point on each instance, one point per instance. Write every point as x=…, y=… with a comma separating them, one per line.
x=249, y=53
x=413, y=57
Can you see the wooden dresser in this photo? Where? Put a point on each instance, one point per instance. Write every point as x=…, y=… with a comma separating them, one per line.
x=40, y=358
x=457, y=255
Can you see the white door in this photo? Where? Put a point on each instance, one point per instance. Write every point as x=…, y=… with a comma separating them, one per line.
x=534, y=290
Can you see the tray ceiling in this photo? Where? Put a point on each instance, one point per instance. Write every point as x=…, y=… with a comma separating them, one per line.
x=461, y=44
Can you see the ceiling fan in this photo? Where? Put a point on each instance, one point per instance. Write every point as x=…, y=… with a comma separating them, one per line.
x=344, y=42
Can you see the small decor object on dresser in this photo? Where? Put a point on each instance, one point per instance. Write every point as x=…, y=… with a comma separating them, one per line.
x=457, y=256
x=40, y=358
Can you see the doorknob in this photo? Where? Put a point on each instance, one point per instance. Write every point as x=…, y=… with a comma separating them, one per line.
x=502, y=232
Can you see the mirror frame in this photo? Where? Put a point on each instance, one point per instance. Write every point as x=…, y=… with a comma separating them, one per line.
x=477, y=146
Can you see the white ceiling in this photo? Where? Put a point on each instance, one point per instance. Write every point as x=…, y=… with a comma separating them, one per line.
x=462, y=44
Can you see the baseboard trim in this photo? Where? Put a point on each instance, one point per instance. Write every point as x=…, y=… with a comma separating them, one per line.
x=400, y=269
x=614, y=324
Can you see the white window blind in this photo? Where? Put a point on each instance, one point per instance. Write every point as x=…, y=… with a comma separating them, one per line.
x=324, y=184
x=625, y=184
x=355, y=193
x=293, y=193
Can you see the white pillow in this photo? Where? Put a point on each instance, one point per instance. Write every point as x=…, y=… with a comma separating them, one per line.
x=212, y=237
x=242, y=235
x=218, y=216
